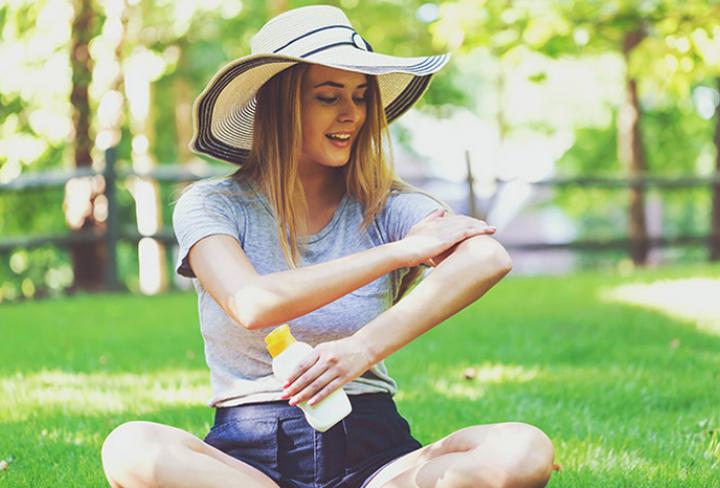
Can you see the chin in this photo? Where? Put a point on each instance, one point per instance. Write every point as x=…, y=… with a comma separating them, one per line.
x=335, y=162
x=329, y=160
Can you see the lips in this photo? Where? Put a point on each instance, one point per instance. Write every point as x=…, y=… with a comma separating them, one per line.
x=339, y=136
x=340, y=140
x=339, y=144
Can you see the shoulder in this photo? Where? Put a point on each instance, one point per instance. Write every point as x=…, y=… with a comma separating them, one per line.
x=403, y=209
x=215, y=191
x=215, y=186
x=211, y=198
x=402, y=200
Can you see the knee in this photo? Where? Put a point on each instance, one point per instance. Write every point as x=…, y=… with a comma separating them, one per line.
x=130, y=453
x=531, y=464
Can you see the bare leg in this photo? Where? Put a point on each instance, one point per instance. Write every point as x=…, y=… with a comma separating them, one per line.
x=147, y=454
x=505, y=455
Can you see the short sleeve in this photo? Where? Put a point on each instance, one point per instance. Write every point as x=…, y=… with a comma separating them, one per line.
x=403, y=210
x=203, y=210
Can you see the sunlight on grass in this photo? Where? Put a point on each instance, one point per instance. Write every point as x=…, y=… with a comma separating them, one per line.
x=694, y=299
x=74, y=438
x=601, y=459
x=471, y=382
x=100, y=392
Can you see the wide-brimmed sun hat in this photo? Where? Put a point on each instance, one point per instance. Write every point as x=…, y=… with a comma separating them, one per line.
x=223, y=113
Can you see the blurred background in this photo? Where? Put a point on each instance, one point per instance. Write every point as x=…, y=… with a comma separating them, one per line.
x=588, y=132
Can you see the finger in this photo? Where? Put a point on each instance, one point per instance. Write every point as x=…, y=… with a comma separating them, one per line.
x=488, y=229
x=476, y=231
x=306, y=379
x=473, y=220
x=465, y=231
x=436, y=213
x=301, y=367
x=326, y=391
x=313, y=388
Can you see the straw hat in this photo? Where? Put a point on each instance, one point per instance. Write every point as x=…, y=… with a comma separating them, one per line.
x=223, y=113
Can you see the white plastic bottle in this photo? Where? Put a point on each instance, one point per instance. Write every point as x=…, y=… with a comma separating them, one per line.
x=286, y=353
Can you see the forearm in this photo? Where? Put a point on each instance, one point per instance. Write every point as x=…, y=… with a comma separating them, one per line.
x=278, y=297
x=467, y=274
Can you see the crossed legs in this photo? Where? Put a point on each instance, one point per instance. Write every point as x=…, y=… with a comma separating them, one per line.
x=505, y=455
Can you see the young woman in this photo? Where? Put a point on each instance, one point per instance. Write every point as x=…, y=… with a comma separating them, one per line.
x=315, y=230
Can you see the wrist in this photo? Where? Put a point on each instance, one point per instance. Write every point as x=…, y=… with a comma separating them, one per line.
x=372, y=352
x=399, y=254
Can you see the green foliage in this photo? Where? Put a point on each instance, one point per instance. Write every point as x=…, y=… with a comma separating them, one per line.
x=594, y=152
x=32, y=212
x=676, y=136
x=626, y=393
x=37, y=273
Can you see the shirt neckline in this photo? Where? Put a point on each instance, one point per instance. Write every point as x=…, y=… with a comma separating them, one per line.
x=310, y=238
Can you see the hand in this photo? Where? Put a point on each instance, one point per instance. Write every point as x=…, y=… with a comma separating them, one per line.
x=435, y=237
x=327, y=368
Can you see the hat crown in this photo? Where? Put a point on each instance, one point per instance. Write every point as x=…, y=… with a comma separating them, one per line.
x=298, y=31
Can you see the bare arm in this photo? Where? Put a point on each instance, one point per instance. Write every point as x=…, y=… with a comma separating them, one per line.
x=257, y=301
x=465, y=275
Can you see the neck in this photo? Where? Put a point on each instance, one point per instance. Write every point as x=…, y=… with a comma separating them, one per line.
x=323, y=187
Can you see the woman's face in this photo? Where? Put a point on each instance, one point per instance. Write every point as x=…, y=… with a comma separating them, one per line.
x=333, y=111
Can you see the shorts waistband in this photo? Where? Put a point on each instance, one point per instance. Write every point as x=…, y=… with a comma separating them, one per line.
x=281, y=409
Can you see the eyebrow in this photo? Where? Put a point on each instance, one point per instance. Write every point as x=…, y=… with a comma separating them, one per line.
x=336, y=85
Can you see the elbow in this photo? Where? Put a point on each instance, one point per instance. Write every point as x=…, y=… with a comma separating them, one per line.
x=244, y=312
x=501, y=260
x=250, y=320
x=489, y=254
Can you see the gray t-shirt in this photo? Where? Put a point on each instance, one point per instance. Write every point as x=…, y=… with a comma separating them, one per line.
x=240, y=365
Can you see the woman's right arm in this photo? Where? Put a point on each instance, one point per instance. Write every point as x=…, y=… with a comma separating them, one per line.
x=257, y=301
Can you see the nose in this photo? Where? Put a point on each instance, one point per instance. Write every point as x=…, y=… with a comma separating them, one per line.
x=349, y=111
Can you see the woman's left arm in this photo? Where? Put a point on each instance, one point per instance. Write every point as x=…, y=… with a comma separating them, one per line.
x=474, y=267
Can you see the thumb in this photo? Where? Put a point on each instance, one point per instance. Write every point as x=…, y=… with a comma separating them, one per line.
x=436, y=213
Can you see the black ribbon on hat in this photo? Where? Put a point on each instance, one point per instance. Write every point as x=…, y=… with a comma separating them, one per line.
x=355, y=40
x=366, y=47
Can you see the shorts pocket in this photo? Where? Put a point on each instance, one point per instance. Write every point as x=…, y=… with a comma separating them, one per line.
x=254, y=440
x=370, y=436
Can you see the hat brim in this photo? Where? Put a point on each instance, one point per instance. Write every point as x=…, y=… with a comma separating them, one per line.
x=223, y=113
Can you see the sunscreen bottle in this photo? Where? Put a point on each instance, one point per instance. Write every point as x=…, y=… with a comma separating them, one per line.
x=287, y=353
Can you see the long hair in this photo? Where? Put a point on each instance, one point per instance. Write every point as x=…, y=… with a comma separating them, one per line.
x=274, y=158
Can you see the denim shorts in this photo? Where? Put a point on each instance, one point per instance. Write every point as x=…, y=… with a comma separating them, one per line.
x=275, y=438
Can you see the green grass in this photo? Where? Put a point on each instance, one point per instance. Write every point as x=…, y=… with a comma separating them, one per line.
x=629, y=395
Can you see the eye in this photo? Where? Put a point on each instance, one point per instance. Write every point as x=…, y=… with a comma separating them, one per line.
x=331, y=100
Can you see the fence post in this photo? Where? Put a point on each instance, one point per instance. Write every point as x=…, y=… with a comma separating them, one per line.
x=112, y=230
x=472, y=208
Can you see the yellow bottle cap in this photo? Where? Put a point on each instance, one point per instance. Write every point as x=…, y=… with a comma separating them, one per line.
x=279, y=339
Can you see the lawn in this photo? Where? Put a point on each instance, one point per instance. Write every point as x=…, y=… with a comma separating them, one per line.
x=629, y=392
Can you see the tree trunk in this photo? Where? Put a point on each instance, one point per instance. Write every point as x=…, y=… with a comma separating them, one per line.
x=631, y=154
x=88, y=258
x=715, y=216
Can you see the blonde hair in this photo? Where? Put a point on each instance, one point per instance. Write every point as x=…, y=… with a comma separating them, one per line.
x=273, y=161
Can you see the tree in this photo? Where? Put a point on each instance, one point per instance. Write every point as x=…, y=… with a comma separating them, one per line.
x=83, y=195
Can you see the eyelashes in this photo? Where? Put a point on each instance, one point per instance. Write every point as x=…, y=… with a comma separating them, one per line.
x=331, y=100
